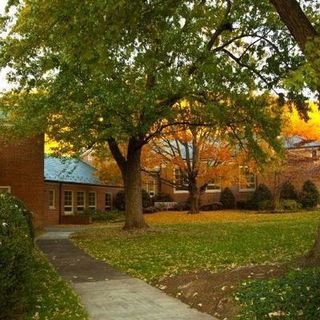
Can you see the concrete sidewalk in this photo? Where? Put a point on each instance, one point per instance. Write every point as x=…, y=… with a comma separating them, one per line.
x=106, y=293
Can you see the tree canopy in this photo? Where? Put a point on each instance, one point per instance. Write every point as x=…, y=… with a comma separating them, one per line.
x=113, y=71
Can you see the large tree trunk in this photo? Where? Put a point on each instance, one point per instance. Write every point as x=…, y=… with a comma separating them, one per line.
x=194, y=198
x=130, y=168
x=296, y=21
x=133, y=190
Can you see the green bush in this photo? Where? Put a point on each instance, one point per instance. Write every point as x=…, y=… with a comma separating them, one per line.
x=104, y=216
x=120, y=203
x=309, y=197
x=227, y=199
x=287, y=191
x=162, y=197
x=284, y=205
x=288, y=205
x=261, y=194
x=293, y=296
x=146, y=200
x=16, y=257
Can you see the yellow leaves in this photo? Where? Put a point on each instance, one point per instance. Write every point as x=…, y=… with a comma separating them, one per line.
x=294, y=125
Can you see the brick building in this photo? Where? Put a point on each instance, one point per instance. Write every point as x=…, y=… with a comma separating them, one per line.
x=302, y=163
x=21, y=173
x=71, y=186
x=50, y=187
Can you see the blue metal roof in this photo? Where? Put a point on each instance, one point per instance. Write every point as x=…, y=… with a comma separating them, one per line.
x=69, y=170
x=299, y=142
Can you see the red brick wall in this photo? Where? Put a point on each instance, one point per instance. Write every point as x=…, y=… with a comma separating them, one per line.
x=21, y=168
x=52, y=214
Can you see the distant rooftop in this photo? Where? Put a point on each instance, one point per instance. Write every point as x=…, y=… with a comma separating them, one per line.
x=296, y=142
x=69, y=170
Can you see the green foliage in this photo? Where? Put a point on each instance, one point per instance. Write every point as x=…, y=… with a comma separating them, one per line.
x=283, y=205
x=16, y=257
x=262, y=193
x=227, y=199
x=146, y=200
x=104, y=216
x=288, y=205
x=162, y=197
x=309, y=197
x=129, y=63
x=52, y=296
x=214, y=245
x=294, y=296
x=287, y=191
x=120, y=201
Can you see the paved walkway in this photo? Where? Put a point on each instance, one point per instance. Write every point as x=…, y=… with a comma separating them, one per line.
x=106, y=293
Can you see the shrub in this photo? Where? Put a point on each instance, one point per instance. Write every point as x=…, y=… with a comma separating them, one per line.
x=162, y=197
x=146, y=200
x=261, y=194
x=227, y=199
x=119, y=201
x=265, y=205
x=309, y=197
x=106, y=216
x=243, y=205
x=212, y=206
x=120, y=204
x=182, y=206
x=287, y=191
x=151, y=209
x=288, y=205
x=16, y=257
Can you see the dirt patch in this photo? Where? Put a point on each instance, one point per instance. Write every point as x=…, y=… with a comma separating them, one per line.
x=213, y=292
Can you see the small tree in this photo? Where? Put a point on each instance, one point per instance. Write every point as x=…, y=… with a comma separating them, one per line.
x=227, y=199
x=309, y=197
x=288, y=191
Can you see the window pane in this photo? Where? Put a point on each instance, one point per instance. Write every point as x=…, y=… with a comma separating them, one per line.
x=247, y=179
x=51, y=199
x=181, y=182
x=108, y=201
x=67, y=201
x=92, y=200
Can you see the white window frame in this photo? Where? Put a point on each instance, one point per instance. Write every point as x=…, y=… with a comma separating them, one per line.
x=111, y=201
x=8, y=188
x=247, y=189
x=213, y=184
x=175, y=190
x=95, y=200
x=82, y=206
x=69, y=206
x=151, y=182
x=53, y=206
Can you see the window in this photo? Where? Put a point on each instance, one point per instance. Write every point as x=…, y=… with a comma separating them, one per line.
x=92, y=200
x=80, y=201
x=52, y=199
x=150, y=186
x=247, y=179
x=68, y=202
x=314, y=154
x=214, y=185
x=108, y=201
x=5, y=189
x=180, y=181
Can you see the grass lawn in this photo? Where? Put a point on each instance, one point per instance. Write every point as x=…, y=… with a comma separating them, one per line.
x=213, y=241
x=54, y=299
